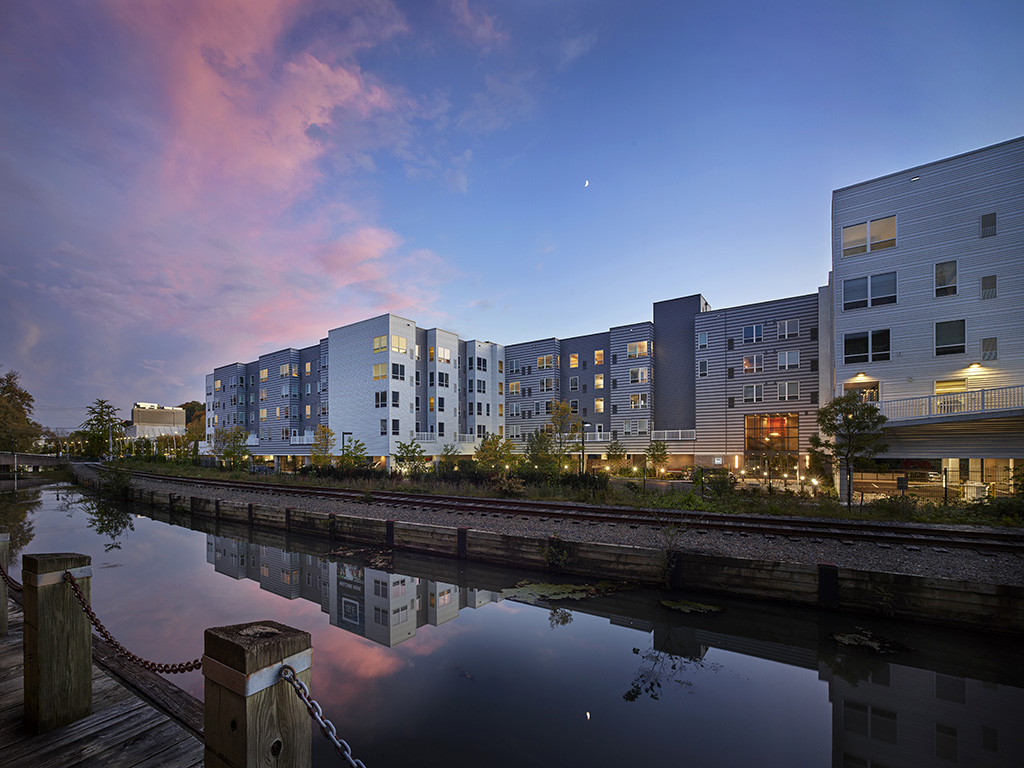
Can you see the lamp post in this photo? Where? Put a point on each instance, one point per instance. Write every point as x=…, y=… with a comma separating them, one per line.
x=343, y=435
x=583, y=446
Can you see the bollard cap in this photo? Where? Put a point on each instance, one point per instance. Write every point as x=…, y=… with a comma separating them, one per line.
x=54, y=561
x=251, y=647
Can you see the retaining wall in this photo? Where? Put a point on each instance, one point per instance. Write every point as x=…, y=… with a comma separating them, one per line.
x=979, y=606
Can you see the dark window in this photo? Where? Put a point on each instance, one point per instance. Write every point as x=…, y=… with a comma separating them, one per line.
x=732, y=372
x=950, y=337
x=988, y=224
x=814, y=333
x=729, y=344
x=988, y=287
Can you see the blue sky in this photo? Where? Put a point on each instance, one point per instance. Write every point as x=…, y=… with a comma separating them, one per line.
x=186, y=184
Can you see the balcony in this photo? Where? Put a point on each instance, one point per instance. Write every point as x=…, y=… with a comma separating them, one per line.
x=975, y=401
x=667, y=435
x=597, y=437
x=301, y=440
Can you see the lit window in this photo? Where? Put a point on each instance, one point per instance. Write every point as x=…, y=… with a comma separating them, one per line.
x=598, y=357
x=636, y=349
x=753, y=363
x=869, y=236
x=444, y=355
x=264, y=374
x=574, y=361
x=637, y=375
x=399, y=344
x=380, y=343
x=598, y=405
x=309, y=368
x=513, y=387
x=638, y=400
x=598, y=381
x=545, y=362
x=380, y=371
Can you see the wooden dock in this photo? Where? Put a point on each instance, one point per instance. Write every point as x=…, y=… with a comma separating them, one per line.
x=125, y=728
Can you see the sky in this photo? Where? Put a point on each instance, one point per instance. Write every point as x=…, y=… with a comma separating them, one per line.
x=190, y=183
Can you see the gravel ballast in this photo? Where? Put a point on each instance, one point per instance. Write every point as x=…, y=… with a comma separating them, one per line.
x=923, y=560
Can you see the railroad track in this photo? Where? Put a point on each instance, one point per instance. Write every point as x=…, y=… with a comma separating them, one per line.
x=905, y=534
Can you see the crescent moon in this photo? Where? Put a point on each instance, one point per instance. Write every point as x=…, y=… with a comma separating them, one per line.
x=586, y=183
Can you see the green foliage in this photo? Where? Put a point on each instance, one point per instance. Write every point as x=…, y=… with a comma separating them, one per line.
x=18, y=431
x=322, y=451
x=616, y=453
x=352, y=455
x=229, y=445
x=496, y=455
x=656, y=456
x=411, y=456
x=854, y=429
x=101, y=427
x=565, y=428
x=540, y=453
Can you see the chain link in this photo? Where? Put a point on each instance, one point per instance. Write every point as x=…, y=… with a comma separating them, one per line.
x=173, y=669
x=10, y=582
x=316, y=712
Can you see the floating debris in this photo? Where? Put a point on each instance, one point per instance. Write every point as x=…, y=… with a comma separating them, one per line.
x=536, y=593
x=865, y=638
x=687, y=606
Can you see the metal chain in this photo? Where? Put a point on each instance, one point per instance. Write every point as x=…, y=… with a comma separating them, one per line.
x=121, y=650
x=10, y=582
x=316, y=712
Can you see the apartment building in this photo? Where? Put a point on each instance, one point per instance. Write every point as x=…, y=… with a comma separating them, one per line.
x=927, y=304
x=380, y=381
x=757, y=384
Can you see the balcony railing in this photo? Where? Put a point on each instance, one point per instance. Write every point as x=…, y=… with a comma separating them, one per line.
x=597, y=437
x=301, y=440
x=426, y=437
x=252, y=440
x=674, y=434
x=972, y=401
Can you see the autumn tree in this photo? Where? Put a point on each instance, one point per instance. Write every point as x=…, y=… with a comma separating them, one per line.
x=230, y=446
x=321, y=452
x=17, y=429
x=565, y=428
x=853, y=427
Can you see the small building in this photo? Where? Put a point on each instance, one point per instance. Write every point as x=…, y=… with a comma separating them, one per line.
x=150, y=420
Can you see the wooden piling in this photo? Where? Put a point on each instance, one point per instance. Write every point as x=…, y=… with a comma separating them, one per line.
x=253, y=717
x=5, y=559
x=58, y=641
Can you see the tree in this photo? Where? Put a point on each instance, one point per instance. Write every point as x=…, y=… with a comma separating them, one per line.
x=101, y=427
x=539, y=453
x=321, y=452
x=565, y=425
x=17, y=429
x=193, y=408
x=855, y=431
x=449, y=456
x=411, y=454
x=657, y=455
x=353, y=454
x=229, y=445
x=495, y=454
x=616, y=453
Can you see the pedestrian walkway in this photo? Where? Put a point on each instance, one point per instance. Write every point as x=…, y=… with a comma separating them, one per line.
x=122, y=732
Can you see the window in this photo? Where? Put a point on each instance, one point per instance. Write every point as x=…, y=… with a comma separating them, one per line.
x=444, y=355
x=481, y=363
x=753, y=393
x=513, y=366
x=440, y=405
x=637, y=375
x=702, y=340
x=574, y=406
x=598, y=381
x=514, y=432
x=501, y=388
x=869, y=236
x=263, y=414
x=544, y=362
x=216, y=386
x=638, y=400
x=789, y=359
x=263, y=395
x=501, y=410
x=398, y=371
x=395, y=427
x=866, y=346
x=789, y=390
x=380, y=343
x=574, y=383
x=481, y=386
x=753, y=333
x=399, y=615
x=988, y=287
x=383, y=426
x=989, y=349
x=636, y=349
x=771, y=432
x=598, y=357
x=380, y=371
x=950, y=337
x=417, y=406
x=399, y=344
x=860, y=292
x=501, y=366
x=988, y=224
x=264, y=374
x=789, y=329
x=430, y=404
x=574, y=361
x=443, y=379
x=430, y=354
x=309, y=411
x=440, y=428
x=394, y=400
x=702, y=368
x=513, y=387
x=513, y=410
x=380, y=399
x=598, y=405
x=547, y=385
x=945, y=279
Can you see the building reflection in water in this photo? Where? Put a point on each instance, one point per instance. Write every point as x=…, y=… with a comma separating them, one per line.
x=884, y=715
x=386, y=608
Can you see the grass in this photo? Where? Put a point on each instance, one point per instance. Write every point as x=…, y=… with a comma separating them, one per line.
x=1004, y=511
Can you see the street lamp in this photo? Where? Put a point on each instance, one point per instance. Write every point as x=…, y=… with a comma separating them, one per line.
x=583, y=446
x=343, y=435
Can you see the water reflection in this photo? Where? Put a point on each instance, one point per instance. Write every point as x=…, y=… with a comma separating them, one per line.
x=562, y=683
x=16, y=511
x=384, y=607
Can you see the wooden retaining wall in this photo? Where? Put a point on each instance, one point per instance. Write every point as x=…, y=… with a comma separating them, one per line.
x=969, y=604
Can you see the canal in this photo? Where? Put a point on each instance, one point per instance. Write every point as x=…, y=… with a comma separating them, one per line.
x=429, y=662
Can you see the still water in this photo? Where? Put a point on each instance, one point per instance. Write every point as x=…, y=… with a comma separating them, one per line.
x=424, y=661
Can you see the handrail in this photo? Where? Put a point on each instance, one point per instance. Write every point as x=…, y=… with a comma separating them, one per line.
x=970, y=401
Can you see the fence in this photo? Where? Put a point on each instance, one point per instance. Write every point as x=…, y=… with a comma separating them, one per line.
x=251, y=670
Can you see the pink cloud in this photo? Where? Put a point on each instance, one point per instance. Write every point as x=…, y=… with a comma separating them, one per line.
x=476, y=26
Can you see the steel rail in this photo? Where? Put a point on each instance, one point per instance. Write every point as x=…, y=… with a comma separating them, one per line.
x=807, y=528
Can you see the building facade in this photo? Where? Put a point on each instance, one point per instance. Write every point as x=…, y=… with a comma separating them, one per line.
x=382, y=381
x=927, y=305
